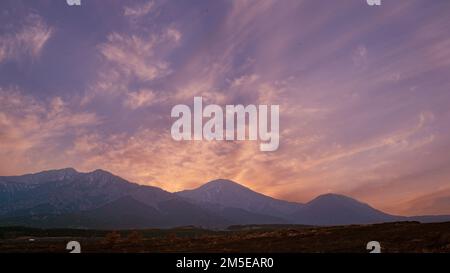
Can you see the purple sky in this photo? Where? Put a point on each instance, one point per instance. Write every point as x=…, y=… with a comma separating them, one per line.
x=364, y=93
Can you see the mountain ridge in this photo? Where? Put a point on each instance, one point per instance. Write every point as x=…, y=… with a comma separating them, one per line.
x=68, y=198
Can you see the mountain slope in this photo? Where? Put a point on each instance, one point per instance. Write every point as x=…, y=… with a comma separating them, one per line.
x=334, y=209
x=67, y=198
x=123, y=213
x=328, y=209
x=65, y=191
x=229, y=194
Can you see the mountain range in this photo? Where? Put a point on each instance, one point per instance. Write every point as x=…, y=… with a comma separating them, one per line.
x=67, y=198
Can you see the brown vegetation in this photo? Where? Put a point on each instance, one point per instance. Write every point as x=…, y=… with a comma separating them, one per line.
x=394, y=237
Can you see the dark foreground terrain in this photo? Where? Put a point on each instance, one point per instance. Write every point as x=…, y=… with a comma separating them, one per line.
x=402, y=237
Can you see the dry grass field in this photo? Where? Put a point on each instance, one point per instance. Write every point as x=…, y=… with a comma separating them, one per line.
x=402, y=237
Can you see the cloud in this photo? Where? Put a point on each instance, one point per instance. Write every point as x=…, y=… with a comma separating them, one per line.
x=436, y=202
x=134, y=56
x=140, y=99
x=139, y=10
x=30, y=129
x=244, y=80
x=27, y=41
x=173, y=34
x=150, y=156
x=130, y=64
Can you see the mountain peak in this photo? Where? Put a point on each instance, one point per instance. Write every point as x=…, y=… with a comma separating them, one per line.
x=50, y=175
x=335, y=200
x=222, y=183
x=104, y=177
x=68, y=173
x=337, y=209
x=68, y=170
x=333, y=196
x=100, y=172
x=219, y=190
x=229, y=194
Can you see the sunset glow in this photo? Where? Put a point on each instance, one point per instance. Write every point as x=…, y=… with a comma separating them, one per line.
x=363, y=93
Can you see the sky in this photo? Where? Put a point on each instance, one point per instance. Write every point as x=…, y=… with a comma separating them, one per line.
x=364, y=94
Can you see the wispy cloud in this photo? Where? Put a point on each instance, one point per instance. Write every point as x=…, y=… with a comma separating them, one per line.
x=134, y=56
x=140, y=98
x=130, y=60
x=26, y=41
x=28, y=128
x=139, y=10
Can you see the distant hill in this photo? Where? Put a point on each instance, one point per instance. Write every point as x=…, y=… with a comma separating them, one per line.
x=334, y=209
x=100, y=200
